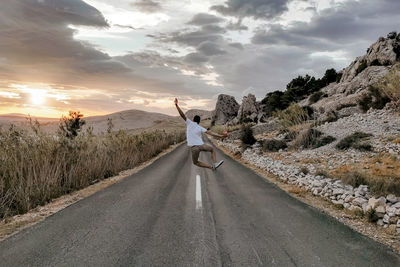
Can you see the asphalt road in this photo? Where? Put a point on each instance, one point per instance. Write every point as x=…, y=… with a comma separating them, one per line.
x=174, y=214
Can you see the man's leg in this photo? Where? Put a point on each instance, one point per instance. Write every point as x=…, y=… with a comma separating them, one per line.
x=203, y=165
x=195, y=158
x=212, y=151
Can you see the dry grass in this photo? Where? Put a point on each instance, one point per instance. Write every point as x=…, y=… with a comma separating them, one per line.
x=390, y=84
x=219, y=129
x=292, y=116
x=380, y=173
x=36, y=167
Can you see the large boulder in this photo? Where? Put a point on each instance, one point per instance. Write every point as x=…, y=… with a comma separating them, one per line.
x=249, y=109
x=226, y=109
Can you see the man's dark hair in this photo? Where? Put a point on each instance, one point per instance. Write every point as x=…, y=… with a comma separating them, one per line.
x=196, y=119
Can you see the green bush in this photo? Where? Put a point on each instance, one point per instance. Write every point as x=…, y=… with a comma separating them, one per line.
x=352, y=141
x=374, y=99
x=314, y=98
x=323, y=141
x=372, y=216
x=273, y=145
x=361, y=67
x=247, y=136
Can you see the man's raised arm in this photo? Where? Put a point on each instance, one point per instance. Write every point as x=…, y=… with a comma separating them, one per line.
x=179, y=109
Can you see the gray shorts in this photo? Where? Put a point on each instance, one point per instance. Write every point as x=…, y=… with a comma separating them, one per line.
x=196, y=151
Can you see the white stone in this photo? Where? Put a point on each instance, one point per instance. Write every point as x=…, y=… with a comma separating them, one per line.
x=391, y=198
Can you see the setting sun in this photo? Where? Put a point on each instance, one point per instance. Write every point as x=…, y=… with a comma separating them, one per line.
x=38, y=97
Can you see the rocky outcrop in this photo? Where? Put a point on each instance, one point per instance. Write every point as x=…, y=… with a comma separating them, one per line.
x=226, y=109
x=382, y=53
x=249, y=109
x=344, y=97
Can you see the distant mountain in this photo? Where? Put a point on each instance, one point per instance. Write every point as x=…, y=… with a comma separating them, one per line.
x=131, y=120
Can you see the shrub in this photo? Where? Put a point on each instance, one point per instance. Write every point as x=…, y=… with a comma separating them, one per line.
x=247, y=136
x=375, y=99
x=390, y=85
x=314, y=98
x=322, y=173
x=376, y=62
x=304, y=170
x=36, y=167
x=70, y=126
x=307, y=138
x=372, y=216
x=291, y=116
x=326, y=140
x=354, y=179
x=273, y=145
x=382, y=187
x=352, y=140
x=363, y=65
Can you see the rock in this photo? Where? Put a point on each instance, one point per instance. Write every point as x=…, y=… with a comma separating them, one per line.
x=359, y=201
x=391, y=198
x=379, y=53
x=380, y=222
x=373, y=202
x=226, y=109
x=386, y=219
x=380, y=211
x=396, y=205
x=249, y=109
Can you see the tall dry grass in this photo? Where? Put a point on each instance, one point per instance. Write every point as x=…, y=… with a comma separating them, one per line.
x=390, y=84
x=36, y=167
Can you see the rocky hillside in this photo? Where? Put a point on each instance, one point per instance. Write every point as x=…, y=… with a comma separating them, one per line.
x=340, y=141
x=339, y=99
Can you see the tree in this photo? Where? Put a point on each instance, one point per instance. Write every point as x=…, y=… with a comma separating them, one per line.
x=70, y=126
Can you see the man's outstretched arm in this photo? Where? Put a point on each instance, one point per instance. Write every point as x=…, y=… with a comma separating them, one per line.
x=215, y=134
x=179, y=109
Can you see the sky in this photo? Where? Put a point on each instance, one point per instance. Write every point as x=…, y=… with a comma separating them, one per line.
x=99, y=56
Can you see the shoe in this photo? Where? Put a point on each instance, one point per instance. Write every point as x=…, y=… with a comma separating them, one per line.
x=218, y=164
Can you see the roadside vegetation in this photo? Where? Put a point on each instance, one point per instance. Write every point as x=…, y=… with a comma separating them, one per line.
x=36, y=167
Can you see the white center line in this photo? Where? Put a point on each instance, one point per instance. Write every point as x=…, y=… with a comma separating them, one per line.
x=198, y=193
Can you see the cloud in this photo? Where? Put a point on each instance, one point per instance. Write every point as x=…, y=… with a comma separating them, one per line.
x=147, y=6
x=210, y=49
x=257, y=9
x=204, y=19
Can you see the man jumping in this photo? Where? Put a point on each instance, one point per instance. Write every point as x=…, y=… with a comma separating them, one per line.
x=195, y=142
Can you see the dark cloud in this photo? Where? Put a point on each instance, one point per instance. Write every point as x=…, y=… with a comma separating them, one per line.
x=210, y=49
x=147, y=6
x=204, y=19
x=195, y=58
x=353, y=21
x=258, y=9
x=237, y=45
x=189, y=37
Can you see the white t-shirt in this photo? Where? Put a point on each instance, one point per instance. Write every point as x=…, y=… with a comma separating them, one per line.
x=193, y=133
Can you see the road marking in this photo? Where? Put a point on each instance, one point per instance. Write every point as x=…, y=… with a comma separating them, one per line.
x=199, y=204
